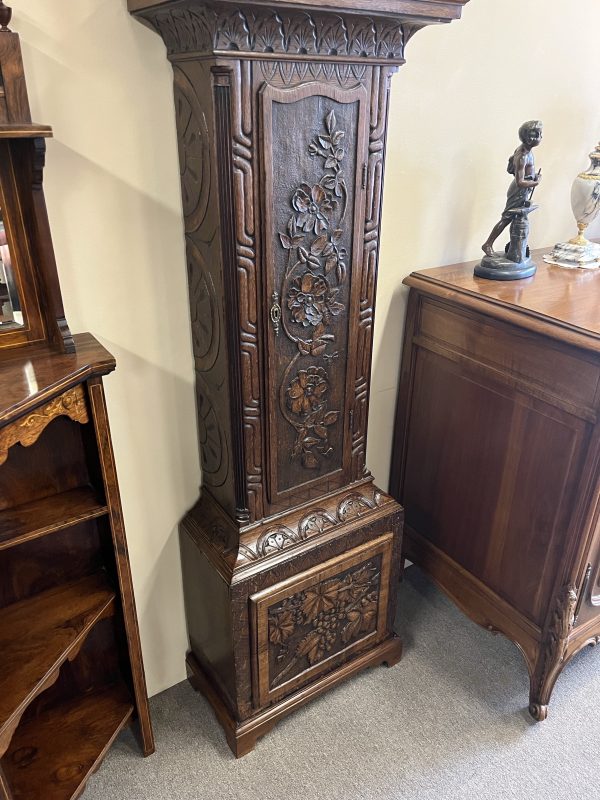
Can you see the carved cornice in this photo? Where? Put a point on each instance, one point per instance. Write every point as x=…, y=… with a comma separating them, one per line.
x=255, y=31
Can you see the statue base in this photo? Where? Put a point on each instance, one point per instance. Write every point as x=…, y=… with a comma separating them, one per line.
x=575, y=256
x=500, y=268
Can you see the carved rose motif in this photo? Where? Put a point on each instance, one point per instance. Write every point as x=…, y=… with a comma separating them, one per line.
x=315, y=259
x=306, y=397
x=313, y=206
x=311, y=300
x=307, y=391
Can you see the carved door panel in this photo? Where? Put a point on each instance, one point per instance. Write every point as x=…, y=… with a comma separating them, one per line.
x=304, y=625
x=314, y=140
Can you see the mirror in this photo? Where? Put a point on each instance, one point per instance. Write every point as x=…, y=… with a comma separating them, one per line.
x=11, y=315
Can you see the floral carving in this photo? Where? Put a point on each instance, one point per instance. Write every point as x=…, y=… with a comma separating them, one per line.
x=306, y=399
x=313, y=205
x=316, y=263
x=324, y=617
x=311, y=300
x=307, y=391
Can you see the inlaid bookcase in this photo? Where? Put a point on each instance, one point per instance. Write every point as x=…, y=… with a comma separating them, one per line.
x=291, y=557
x=71, y=672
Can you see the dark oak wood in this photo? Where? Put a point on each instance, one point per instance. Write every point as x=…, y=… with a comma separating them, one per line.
x=430, y=10
x=242, y=737
x=496, y=454
x=60, y=749
x=291, y=557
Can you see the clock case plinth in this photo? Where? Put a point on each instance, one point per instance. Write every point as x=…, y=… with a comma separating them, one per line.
x=291, y=557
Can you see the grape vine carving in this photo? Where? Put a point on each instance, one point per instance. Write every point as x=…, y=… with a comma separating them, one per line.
x=315, y=272
x=324, y=618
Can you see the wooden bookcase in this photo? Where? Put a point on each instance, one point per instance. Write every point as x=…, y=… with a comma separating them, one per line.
x=71, y=672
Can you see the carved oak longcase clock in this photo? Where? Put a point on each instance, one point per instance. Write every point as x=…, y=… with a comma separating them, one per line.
x=291, y=556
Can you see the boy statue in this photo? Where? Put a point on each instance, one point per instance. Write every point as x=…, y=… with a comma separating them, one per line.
x=516, y=263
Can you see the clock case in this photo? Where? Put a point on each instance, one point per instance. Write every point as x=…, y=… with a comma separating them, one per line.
x=291, y=557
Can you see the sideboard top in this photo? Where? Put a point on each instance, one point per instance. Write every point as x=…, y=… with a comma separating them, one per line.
x=554, y=298
x=426, y=9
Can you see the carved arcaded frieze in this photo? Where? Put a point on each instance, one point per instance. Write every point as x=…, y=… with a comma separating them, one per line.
x=316, y=522
x=223, y=28
x=27, y=431
x=222, y=535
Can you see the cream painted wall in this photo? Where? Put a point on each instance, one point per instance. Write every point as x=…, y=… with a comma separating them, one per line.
x=102, y=81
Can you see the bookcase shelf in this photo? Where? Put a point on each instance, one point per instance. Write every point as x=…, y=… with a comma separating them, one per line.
x=62, y=747
x=36, y=518
x=38, y=635
x=71, y=670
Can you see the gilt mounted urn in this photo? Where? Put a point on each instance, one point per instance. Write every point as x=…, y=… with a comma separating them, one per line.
x=585, y=203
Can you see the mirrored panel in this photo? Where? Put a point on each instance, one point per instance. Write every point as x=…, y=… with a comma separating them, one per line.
x=11, y=314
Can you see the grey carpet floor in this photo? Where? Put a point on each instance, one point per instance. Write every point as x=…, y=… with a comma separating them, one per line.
x=449, y=722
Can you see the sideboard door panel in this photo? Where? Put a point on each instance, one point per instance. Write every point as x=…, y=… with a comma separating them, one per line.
x=313, y=151
x=484, y=493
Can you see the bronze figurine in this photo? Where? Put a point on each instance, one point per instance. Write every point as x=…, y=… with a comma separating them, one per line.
x=515, y=262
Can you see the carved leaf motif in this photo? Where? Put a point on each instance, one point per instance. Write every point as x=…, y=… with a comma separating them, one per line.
x=310, y=647
x=390, y=42
x=360, y=619
x=361, y=37
x=232, y=32
x=325, y=617
x=312, y=241
x=321, y=598
x=281, y=626
x=298, y=33
x=331, y=35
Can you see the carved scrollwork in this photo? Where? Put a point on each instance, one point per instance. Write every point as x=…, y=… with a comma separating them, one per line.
x=315, y=523
x=554, y=649
x=214, y=448
x=27, y=431
x=194, y=153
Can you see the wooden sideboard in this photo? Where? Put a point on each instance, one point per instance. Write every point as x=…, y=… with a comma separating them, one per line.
x=497, y=454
